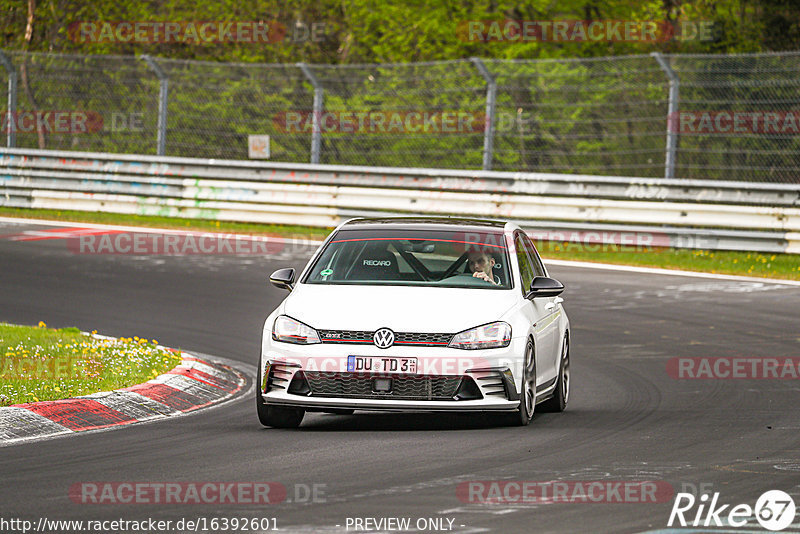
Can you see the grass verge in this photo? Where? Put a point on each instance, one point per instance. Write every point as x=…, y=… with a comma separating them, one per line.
x=172, y=223
x=779, y=266
x=756, y=264
x=40, y=363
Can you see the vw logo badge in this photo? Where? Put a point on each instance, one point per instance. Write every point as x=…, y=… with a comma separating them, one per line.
x=383, y=338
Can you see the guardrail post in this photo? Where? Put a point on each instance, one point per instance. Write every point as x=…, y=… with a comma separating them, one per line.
x=672, y=115
x=163, y=88
x=491, y=98
x=11, y=139
x=316, y=129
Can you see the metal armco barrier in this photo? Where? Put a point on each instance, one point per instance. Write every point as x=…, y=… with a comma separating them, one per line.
x=711, y=215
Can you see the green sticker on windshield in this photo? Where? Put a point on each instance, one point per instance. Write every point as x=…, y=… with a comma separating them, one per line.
x=326, y=272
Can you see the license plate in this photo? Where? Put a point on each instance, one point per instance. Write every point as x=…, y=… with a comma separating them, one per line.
x=381, y=364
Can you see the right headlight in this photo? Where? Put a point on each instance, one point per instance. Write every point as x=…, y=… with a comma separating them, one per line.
x=488, y=336
x=291, y=330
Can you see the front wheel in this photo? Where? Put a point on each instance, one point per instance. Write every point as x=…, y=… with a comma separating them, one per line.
x=561, y=394
x=527, y=401
x=278, y=416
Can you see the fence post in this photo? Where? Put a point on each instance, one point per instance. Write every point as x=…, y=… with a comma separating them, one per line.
x=488, y=129
x=11, y=139
x=672, y=115
x=316, y=129
x=163, y=83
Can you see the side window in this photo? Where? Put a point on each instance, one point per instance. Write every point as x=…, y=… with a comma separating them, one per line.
x=538, y=268
x=524, y=263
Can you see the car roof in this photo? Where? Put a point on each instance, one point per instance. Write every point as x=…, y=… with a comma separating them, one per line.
x=426, y=223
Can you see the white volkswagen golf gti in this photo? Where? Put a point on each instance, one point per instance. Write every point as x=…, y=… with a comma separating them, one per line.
x=416, y=314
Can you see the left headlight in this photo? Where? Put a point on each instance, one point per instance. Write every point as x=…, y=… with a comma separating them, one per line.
x=488, y=336
x=291, y=330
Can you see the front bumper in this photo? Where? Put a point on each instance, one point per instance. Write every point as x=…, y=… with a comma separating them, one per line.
x=286, y=399
x=495, y=375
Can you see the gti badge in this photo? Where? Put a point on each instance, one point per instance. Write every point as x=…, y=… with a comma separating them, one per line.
x=383, y=338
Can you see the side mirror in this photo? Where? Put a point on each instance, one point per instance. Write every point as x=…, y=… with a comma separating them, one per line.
x=282, y=278
x=543, y=286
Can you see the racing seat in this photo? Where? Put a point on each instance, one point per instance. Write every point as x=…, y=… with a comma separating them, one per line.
x=375, y=263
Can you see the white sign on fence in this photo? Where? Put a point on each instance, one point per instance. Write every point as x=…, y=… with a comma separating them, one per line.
x=258, y=146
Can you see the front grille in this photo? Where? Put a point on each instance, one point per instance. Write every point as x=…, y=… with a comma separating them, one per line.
x=363, y=337
x=404, y=387
x=345, y=336
x=421, y=338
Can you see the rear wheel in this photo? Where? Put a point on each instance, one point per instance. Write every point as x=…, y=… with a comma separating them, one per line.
x=527, y=400
x=278, y=416
x=561, y=394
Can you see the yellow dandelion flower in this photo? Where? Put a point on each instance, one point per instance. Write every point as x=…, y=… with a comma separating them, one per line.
x=42, y=324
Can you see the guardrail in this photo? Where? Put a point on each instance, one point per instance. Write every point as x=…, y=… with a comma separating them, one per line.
x=682, y=213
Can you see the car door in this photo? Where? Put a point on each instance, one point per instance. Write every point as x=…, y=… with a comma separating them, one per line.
x=545, y=326
x=548, y=319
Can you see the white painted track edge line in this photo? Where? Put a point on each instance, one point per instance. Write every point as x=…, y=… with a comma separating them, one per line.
x=152, y=230
x=668, y=272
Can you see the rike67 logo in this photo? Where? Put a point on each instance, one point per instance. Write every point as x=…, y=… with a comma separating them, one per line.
x=774, y=510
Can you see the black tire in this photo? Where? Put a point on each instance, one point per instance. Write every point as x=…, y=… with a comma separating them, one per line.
x=527, y=398
x=278, y=416
x=343, y=411
x=558, y=403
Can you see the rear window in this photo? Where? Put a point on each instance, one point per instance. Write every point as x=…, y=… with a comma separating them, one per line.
x=414, y=258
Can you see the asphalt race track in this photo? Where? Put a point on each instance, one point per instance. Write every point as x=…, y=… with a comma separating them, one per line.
x=628, y=419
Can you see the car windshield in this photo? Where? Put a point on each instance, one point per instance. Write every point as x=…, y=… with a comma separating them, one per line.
x=414, y=258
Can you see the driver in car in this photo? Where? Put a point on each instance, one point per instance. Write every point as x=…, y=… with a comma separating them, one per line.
x=481, y=264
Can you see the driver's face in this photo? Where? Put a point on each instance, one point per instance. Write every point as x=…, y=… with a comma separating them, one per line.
x=480, y=261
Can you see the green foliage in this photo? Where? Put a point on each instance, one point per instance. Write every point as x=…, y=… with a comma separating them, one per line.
x=355, y=31
x=591, y=116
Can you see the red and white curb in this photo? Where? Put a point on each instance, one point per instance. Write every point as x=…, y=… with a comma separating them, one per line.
x=193, y=384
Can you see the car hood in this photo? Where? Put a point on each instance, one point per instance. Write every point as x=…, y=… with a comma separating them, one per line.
x=403, y=309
